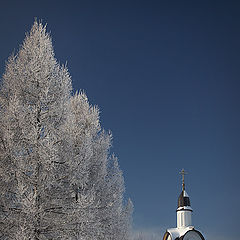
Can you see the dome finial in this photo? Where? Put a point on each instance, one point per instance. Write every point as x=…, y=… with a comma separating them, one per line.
x=183, y=172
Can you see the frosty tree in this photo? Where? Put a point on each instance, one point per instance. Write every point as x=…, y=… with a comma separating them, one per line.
x=34, y=95
x=57, y=178
x=98, y=185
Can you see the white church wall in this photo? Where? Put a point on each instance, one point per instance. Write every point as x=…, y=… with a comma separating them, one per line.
x=184, y=219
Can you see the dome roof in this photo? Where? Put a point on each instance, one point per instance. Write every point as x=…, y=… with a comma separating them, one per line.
x=179, y=234
x=183, y=200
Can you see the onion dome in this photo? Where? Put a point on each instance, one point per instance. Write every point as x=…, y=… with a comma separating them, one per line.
x=183, y=200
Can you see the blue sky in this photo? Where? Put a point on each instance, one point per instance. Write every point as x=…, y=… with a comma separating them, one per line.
x=165, y=75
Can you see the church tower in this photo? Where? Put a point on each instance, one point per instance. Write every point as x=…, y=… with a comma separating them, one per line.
x=185, y=229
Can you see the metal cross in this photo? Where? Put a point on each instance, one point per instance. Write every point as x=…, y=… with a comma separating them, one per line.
x=183, y=172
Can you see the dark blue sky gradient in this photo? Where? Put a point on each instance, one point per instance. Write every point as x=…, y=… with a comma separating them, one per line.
x=165, y=75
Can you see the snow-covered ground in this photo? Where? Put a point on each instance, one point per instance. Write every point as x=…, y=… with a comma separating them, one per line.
x=147, y=234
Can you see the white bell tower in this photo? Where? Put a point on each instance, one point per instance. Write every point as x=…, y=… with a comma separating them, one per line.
x=184, y=230
x=184, y=210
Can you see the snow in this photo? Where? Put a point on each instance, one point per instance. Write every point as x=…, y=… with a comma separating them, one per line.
x=185, y=194
x=187, y=208
x=178, y=232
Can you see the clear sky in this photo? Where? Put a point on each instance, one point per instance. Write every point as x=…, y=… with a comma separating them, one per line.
x=166, y=77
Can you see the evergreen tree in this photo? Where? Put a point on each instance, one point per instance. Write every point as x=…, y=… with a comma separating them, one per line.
x=98, y=182
x=58, y=180
x=85, y=166
x=34, y=94
x=115, y=217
